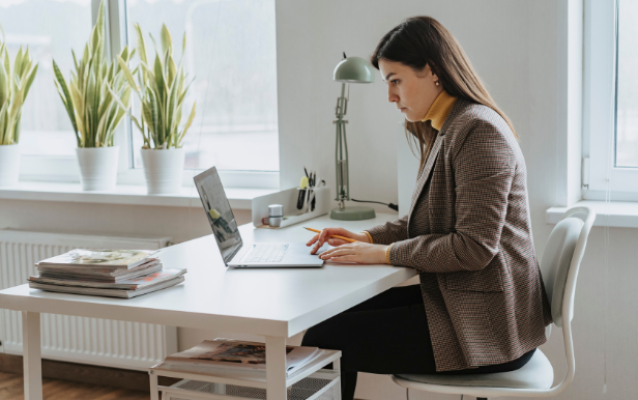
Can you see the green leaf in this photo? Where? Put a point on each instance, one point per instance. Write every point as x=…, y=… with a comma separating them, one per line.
x=29, y=81
x=17, y=126
x=184, y=45
x=159, y=79
x=7, y=63
x=16, y=105
x=4, y=86
x=4, y=122
x=127, y=73
x=68, y=102
x=171, y=71
x=191, y=117
x=167, y=40
x=17, y=63
x=141, y=46
x=125, y=108
x=26, y=64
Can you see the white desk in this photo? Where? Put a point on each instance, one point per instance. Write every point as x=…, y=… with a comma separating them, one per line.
x=274, y=303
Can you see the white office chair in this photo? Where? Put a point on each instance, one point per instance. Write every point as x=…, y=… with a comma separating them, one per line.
x=565, y=249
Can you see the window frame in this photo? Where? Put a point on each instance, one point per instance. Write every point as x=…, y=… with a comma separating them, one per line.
x=56, y=168
x=600, y=174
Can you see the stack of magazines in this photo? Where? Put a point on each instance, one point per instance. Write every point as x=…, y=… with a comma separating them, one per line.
x=112, y=273
x=215, y=356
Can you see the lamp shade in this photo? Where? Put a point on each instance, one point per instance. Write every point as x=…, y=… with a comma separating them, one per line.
x=354, y=70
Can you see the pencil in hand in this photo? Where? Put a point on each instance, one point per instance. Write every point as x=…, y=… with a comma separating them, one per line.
x=347, y=239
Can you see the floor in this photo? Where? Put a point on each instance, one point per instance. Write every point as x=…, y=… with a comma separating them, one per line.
x=11, y=388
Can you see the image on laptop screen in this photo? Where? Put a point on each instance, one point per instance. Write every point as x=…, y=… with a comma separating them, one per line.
x=220, y=215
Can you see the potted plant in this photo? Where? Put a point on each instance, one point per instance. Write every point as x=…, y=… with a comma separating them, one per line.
x=14, y=86
x=94, y=114
x=161, y=88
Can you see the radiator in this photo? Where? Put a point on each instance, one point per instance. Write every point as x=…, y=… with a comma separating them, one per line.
x=118, y=344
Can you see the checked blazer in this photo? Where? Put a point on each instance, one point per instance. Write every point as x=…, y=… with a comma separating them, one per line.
x=468, y=233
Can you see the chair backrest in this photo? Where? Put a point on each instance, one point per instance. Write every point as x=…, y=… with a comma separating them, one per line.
x=561, y=261
x=562, y=257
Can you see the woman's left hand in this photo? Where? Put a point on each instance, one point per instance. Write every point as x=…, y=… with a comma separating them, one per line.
x=359, y=252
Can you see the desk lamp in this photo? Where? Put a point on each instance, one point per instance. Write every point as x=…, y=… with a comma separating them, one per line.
x=349, y=70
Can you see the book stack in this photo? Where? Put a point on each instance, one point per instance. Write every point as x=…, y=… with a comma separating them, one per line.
x=112, y=273
x=219, y=355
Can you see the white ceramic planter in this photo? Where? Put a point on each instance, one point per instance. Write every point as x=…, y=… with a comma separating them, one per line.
x=163, y=170
x=9, y=164
x=98, y=168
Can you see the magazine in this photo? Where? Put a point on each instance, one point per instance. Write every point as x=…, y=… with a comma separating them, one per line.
x=127, y=294
x=112, y=259
x=219, y=354
x=130, y=284
x=99, y=274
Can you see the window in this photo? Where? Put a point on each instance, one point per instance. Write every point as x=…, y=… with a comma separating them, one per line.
x=230, y=51
x=50, y=29
x=611, y=100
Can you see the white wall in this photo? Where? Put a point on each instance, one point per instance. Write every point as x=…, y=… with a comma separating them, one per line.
x=514, y=46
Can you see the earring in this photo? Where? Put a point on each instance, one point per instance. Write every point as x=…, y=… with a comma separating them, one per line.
x=437, y=83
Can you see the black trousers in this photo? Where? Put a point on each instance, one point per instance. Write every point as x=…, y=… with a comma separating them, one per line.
x=387, y=334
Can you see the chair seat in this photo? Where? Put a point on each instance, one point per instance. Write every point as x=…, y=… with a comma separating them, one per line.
x=537, y=374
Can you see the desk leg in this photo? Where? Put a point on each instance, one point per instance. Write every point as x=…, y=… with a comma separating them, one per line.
x=275, y=368
x=154, y=390
x=32, y=351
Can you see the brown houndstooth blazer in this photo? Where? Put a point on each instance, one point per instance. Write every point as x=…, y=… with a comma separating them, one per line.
x=481, y=284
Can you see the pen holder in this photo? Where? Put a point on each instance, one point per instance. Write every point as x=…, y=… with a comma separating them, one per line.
x=288, y=199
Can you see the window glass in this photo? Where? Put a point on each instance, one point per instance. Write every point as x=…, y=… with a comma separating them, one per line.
x=627, y=85
x=230, y=52
x=50, y=28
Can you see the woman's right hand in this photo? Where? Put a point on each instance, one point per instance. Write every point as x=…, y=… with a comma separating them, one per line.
x=324, y=237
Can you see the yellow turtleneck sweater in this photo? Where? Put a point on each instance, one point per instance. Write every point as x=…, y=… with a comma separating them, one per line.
x=440, y=109
x=437, y=113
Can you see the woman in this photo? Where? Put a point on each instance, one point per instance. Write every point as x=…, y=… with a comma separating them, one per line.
x=481, y=305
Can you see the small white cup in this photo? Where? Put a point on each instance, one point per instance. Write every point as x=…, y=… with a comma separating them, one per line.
x=275, y=214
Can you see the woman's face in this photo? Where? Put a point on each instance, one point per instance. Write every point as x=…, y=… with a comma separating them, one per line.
x=412, y=91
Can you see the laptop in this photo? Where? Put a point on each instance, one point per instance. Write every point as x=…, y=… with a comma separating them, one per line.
x=234, y=252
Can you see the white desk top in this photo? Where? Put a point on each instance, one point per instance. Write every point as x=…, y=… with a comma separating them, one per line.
x=267, y=302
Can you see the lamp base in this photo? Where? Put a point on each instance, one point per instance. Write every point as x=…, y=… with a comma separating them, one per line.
x=352, y=213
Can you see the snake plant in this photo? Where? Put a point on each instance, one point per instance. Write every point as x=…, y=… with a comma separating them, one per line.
x=161, y=88
x=14, y=87
x=89, y=98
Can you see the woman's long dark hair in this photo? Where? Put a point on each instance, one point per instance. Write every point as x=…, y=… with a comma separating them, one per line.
x=421, y=41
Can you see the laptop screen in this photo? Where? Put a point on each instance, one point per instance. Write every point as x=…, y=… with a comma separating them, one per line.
x=219, y=214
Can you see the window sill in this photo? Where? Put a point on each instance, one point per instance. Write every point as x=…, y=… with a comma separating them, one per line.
x=616, y=215
x=240, y=199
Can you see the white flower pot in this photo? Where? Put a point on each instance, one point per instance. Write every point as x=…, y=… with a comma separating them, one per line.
x=9, y=164
x=98, y=168
x=163, y=170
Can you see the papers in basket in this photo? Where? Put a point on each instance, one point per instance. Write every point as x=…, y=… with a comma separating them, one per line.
x=211, y=356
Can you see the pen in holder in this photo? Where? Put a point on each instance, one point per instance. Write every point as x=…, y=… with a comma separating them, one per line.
x=303, y=193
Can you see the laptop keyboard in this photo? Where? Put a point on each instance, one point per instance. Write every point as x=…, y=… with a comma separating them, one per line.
x=266, y=253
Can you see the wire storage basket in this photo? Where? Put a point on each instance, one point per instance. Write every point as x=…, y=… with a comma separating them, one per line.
x=317, y=387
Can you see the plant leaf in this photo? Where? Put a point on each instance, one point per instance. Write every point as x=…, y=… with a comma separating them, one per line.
x=127, y=73
x=191, y=117
x=141, y=46
x=167, y=40
x=29, y=81
x=59, y=79
x=4, y=86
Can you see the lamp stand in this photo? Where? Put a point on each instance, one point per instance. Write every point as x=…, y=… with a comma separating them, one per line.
x=344, y=213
